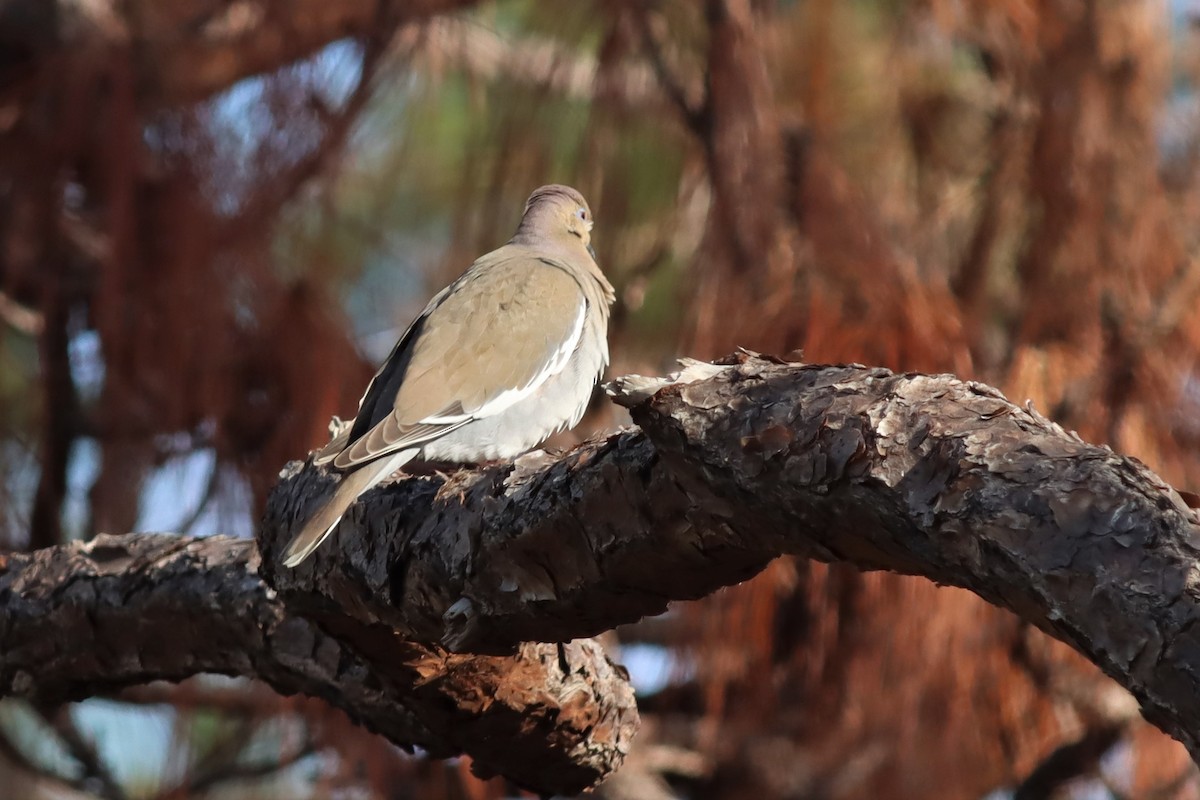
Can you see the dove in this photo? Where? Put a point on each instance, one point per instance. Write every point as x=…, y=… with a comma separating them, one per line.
x=501, y=359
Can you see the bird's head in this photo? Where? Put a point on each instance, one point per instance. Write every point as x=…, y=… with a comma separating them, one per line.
x=559, y=211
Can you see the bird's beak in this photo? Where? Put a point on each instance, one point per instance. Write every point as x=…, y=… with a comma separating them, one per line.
x=592, y=251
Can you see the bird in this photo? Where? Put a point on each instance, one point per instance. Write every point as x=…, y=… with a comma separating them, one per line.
x=501, y=359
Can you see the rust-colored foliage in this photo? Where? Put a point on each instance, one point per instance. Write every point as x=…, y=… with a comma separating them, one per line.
x=199, y=332
x=889, y=687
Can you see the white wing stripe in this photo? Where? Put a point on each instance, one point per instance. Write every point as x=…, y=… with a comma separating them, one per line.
x=508, y=397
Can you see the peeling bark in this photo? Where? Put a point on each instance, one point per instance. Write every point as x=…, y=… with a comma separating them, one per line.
x=734, y=465
x=923, y=475
x=87, y=619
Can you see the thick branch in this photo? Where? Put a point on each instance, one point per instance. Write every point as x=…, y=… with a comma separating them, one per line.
x=925, y=475
x=189, y=49
x=81, y=620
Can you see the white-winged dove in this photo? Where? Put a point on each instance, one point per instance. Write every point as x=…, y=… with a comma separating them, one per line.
x=499, y=360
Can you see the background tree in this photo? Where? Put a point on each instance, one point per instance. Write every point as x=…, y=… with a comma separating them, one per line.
x=214, y=216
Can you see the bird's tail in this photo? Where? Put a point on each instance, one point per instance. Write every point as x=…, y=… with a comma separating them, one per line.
x=326, y=518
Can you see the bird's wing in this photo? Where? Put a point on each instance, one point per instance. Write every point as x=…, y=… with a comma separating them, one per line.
x=376, y=401
x=488, y=341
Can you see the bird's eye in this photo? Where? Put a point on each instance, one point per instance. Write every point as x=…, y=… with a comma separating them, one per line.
x=581, y=213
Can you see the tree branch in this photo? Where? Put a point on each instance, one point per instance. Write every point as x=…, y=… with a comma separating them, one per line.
x=923, y=475
x=189, y=49
x=95, y=772
x=87, y=619
x=734, y=465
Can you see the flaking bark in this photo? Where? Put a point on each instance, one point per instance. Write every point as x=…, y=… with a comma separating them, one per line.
x=734, y=465
x=87, y=619
x=923, y=475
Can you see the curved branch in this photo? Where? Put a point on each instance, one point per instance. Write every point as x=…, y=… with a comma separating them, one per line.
x=189, y=49
x=87, y=619
x=736, y=464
